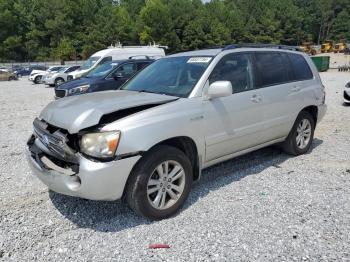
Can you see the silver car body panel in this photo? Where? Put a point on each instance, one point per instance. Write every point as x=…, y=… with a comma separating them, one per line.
x=221, y=128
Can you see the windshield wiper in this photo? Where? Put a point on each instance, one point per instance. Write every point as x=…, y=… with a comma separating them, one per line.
x=158, y=93
x=144, y=91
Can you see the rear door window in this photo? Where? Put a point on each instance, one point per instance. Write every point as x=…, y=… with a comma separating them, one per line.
x=236, y=68
x=271, y=68
x=126, y=70
x=300, y=67
x=142, y=65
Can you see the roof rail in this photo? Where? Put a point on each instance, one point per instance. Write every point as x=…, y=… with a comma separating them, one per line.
x=284, y=47
x=146, y=57
x=119, y=45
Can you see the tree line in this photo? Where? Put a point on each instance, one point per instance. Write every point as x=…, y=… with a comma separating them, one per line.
x=65, y=29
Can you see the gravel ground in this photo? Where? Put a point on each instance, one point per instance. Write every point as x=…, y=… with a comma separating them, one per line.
x=264, y=206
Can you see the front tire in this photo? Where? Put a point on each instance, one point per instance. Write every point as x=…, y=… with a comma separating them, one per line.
x=160, y=183
x=59, y=81
x=301, y=136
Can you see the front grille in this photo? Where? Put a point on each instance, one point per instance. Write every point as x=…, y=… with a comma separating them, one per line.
x=346, y=96
x=54, y=140
x=60, y=93
x=37, y=154
x=69, y=78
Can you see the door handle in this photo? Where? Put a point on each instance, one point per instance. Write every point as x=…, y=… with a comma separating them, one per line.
x=256, y=98
x=296, y=88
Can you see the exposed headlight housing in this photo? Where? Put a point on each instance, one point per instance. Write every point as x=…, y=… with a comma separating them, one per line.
x=78, y=90
x=100, y=145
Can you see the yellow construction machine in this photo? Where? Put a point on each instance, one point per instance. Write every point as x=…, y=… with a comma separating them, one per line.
x=327, y=46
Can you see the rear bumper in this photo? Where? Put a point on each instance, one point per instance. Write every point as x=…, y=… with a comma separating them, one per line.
x=93, y=180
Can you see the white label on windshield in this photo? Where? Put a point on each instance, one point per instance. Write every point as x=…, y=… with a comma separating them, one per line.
x=199, y=60
x=114, y=64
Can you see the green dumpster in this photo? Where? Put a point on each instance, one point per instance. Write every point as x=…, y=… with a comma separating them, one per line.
x=321, y=62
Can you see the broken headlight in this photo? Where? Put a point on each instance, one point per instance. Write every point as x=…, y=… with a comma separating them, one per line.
x=100, y=145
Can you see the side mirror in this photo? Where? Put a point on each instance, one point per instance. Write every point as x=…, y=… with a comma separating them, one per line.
x=219, y=89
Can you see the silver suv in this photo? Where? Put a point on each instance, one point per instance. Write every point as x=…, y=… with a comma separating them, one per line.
x=183, y=113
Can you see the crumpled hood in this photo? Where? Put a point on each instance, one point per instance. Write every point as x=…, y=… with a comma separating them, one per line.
x=78, y=112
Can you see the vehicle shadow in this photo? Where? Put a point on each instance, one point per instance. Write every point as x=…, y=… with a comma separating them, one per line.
x=115, y=216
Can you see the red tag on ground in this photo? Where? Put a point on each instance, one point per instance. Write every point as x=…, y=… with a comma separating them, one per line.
x=155, y=246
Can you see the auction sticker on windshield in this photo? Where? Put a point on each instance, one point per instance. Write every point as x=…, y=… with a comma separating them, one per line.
x=199, y=60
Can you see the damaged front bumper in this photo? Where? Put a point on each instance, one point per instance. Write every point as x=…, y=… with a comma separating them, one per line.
x=86, y=178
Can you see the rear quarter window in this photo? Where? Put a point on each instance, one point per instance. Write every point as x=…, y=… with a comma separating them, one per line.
x=300, y=67
x=272, y=68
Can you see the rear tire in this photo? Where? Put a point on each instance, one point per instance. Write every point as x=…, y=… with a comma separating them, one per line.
x=37, y=79
x=160, y=183
x=301, y=136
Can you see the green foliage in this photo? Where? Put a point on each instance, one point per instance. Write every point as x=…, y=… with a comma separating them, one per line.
x=64, y=51
x=46, y=29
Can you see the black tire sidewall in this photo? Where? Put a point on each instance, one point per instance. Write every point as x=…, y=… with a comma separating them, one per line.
x=303, y=115
x=137, y=190
x=57, y=80
x=37, y=79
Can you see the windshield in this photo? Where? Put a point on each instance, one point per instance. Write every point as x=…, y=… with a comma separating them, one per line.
x=90, y=62
x=175, y=76
x=102, y=70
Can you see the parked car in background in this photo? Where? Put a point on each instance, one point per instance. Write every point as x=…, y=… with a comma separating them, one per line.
x=25, y=71
x=7, y=75
x=108, y=76
x=117, y=53
x=37, y=75
x=56, y=78
x=346, y=93
x=149, y=140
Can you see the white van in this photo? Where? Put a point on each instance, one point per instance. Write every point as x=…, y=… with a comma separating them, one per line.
x=117, y=53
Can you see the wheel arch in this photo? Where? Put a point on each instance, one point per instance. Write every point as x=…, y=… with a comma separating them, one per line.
x=58, y=78
x=189, y=148
x=313, y=110
x=186, y=145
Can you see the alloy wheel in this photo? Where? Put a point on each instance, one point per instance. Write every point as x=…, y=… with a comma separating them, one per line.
x=303, y=134
x=166, y=185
